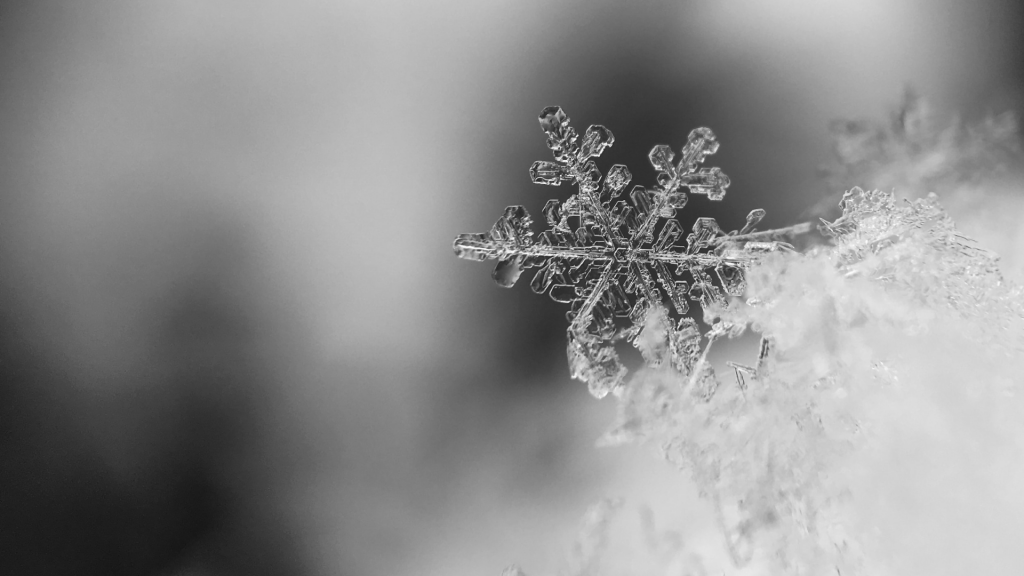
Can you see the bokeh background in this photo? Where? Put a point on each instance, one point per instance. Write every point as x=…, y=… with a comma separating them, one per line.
x=233, y=336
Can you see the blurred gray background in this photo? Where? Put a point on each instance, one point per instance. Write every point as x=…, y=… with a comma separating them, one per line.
x=233, y=336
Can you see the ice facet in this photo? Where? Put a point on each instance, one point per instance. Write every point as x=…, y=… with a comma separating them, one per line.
x=590, y=174
x=553, y=120
x=507, y=271
x=641, y=201
x=700, y=144
x=616, y=180
x=669, y=234
x=564, y=293
x=548, y=173
x=520, y=221
x=661, y=158
x=553, y=212
x=595, y=141
x=472, y=247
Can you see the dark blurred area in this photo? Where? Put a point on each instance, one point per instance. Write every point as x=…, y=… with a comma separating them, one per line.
x=233, y=336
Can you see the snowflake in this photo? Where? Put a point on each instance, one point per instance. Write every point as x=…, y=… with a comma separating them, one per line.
x=614, y=261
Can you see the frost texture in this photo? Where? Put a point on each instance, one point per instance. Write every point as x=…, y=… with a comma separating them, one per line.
x=614, y=261
x=881, y=432
x=881, y=429
x=899, y=340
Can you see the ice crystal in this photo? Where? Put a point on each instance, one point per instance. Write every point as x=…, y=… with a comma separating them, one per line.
x=614, y=260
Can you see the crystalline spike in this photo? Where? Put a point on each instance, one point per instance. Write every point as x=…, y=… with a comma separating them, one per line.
x=700, y=144
x=602, y=259
x=543, y=172
x=661, y=158
x=753, y=219
x=741, y=374
x=763, y=350
x=595, y=141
